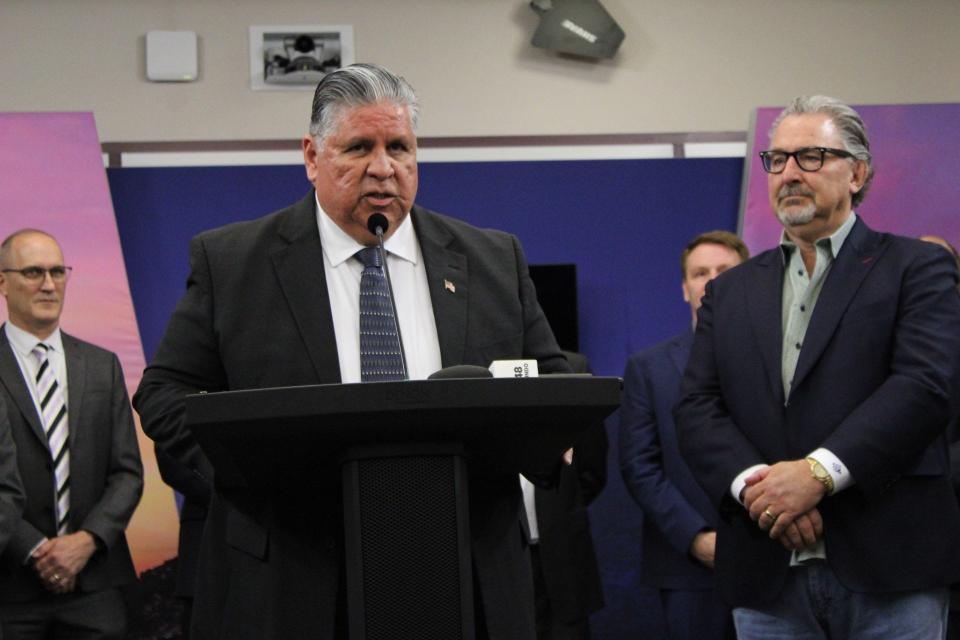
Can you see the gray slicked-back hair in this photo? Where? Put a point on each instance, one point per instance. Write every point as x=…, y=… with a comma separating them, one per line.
x=848, y=122
x=355, y=86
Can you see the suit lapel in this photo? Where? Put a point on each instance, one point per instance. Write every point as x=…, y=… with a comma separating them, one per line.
x=298, y=263
x=680, y=351
x=76, y=381
x=859, y=254
x=449, y=284
x=764, y=294
x=12, y=378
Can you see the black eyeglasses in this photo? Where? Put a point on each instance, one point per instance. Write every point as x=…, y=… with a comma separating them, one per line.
x=58, y=273
x=808, y=158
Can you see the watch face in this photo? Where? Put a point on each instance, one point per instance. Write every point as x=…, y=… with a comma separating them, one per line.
x=820, y=474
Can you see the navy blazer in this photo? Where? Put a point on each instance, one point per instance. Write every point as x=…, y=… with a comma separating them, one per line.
x=876, y=383
x=675, y=508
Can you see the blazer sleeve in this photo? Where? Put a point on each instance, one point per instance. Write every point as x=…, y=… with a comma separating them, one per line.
x=540, y=344
x=641, y=462
x=108, y=518
x=887, y=433
x=711, y=442
x=538, y=339
x=11, y=490
x=187, y=361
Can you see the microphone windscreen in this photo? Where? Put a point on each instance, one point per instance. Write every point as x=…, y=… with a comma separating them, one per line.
x=377, y=220
x=460, y=371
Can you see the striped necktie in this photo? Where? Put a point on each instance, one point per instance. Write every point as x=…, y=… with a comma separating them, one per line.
x=380, y=356
x=53, y=414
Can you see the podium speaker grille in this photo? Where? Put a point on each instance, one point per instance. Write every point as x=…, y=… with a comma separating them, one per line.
x=408, y=542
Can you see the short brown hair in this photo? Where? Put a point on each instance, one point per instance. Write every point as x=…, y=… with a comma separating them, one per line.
x=723, y=238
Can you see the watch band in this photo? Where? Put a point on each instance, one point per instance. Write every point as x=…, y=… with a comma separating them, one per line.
x=820, y=474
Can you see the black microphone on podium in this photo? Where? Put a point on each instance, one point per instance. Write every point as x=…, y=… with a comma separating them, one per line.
x=378, y=224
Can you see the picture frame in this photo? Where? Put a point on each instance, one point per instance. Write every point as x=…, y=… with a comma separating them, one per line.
x=297, y=57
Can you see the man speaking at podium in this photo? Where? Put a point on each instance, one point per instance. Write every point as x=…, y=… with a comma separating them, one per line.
x=277, y=302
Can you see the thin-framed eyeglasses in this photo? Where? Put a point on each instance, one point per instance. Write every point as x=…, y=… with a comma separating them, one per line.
x=58, y=273
x=808, y=158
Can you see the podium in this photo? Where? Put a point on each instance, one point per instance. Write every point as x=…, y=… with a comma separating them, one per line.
x=404, y=450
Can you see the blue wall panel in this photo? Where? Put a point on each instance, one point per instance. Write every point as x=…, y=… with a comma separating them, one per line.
x=622, y=222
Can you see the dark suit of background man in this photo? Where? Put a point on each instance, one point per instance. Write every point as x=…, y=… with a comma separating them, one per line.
x=67, y=556
x=273, y=302
x=953, y=441
x=679, y=523
x=566, y=578
x=822, y=376
x=11, y=489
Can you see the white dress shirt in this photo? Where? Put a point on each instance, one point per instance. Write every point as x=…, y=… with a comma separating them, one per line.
x=418, y=328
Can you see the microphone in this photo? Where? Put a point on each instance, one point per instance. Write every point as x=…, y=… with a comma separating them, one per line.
x=460, y=371
x=378, y=224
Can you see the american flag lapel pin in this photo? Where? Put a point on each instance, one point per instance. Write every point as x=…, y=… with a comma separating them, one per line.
x=449, y=286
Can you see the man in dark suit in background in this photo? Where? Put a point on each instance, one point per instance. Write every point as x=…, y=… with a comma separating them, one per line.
x=566, y=578
x=679, y=523
x=953, y=439
x=195, y=491
x=77, y=456
x=11, y=489
x=274, y=302
x=822, y=376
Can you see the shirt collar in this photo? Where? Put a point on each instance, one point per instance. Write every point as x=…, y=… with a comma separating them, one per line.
x=833, y=243
x=340, y=247
x=24, y=342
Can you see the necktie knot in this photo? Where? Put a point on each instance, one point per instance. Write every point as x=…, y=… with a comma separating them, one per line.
x=369, y=256
x=40, y=352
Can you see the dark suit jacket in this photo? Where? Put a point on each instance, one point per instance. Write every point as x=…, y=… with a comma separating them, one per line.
x=675, y=508
x=106, y=477
x=195, y=491
x=567, y=556
x=11, y=489
x=256, y=314
x=876, y=384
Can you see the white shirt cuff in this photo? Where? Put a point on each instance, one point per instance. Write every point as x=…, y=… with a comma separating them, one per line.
x=26, y=560
x=842, y=478
x=741, y=480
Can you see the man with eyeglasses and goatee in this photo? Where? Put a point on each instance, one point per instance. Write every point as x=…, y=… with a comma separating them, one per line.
x=77, y=455
x=822, y=376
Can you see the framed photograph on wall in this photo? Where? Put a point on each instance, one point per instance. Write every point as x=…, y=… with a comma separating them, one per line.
x=296, y=57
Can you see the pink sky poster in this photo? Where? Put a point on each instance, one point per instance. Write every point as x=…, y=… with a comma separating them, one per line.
x=52, y=178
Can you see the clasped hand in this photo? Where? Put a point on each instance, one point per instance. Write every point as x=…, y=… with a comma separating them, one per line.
x=782, y=499
x=59, y=560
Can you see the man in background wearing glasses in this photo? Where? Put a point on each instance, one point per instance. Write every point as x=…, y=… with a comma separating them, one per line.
x=822, y=376
x=77, y=455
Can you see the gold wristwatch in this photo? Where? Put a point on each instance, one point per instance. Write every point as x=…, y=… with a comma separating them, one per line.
x=820, y=474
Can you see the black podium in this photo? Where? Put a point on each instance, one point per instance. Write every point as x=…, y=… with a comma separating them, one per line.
x=403, y=449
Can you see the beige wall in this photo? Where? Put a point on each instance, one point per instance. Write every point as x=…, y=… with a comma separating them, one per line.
x=686, y=65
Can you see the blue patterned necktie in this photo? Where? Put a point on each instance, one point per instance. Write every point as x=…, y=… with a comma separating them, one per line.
x=380, y=355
